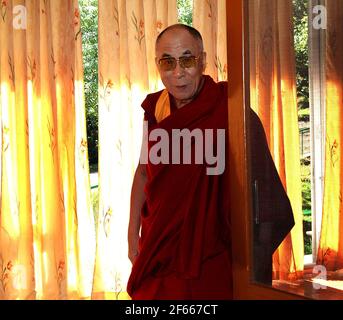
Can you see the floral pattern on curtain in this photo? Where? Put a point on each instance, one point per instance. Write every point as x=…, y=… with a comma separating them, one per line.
x=330, y=252
x=273, y=97
x=209, y=17
x=47, y=235
x=127, y=73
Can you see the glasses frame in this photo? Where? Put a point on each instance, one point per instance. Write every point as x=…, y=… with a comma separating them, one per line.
x=177, y=61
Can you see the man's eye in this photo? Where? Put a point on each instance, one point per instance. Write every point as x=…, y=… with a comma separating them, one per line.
x=188, y=61
x=169, y=61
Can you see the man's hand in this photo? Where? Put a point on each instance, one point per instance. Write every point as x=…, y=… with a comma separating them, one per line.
x=133, y=249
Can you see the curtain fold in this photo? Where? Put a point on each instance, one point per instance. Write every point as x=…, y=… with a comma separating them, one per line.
x=209, y=17
x=273, y=97
x=47, y=235
x=127, y=73
x=330, y=252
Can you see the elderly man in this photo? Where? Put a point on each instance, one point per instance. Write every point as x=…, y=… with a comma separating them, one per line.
x=183, y=249
x=179, y=229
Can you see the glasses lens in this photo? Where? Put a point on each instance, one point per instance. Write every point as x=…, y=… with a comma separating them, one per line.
x=167, y=64
x=187, y=62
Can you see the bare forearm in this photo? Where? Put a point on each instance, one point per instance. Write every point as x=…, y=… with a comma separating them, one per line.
x=137, y=201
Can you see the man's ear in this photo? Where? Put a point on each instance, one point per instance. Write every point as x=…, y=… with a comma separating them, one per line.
x=204, y=61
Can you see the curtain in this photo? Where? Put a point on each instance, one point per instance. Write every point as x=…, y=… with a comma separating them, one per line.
x=330, y=252
x=47, y=235
x=127, y=72
x=273, y=97
x=209, y=17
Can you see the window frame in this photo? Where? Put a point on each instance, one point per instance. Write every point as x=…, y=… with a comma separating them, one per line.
x=316, y=45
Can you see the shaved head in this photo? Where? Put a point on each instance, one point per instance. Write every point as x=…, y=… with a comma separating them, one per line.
x=192, y=31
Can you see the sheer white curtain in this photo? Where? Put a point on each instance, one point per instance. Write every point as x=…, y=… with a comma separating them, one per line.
x=209, y=17
x=127, y=73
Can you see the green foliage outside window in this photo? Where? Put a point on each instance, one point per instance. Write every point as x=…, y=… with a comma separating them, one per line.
x=300, y=20
x=185, y=11
x=89, y=29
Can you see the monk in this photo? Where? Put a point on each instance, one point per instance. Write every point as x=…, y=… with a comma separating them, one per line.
x=179, y=229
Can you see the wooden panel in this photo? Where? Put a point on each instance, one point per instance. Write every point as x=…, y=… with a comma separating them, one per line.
x=239, y=192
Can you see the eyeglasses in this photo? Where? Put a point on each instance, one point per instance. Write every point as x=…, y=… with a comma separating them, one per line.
x=169, y=64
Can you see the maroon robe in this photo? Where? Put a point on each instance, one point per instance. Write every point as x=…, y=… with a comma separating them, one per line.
x=185, y=235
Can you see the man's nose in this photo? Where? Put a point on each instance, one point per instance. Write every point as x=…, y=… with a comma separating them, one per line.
x=178, y=71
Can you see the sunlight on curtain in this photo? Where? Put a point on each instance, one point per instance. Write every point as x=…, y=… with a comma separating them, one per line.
x=127, y=73
x=209, y=17
x=47, y=236
x=330, y=252
x=273, y=97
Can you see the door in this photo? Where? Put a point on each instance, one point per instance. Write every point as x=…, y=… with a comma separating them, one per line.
x=244, y=202
x=240, y=193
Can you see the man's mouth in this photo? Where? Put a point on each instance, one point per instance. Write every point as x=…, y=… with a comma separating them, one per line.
x=181, y=86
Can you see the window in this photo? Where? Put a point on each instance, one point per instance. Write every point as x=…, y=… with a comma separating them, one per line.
x=291, y=107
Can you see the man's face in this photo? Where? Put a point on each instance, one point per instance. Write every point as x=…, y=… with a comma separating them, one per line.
x=182, y=83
